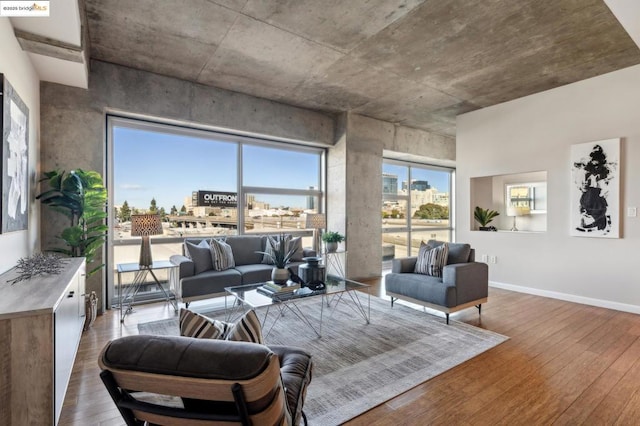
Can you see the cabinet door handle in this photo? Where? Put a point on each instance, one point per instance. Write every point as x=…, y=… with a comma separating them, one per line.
x=71, y=294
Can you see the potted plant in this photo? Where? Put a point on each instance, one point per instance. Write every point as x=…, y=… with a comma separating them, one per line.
x=484, y=217
x=81, y=196
x=280, y=253
x=331, y=240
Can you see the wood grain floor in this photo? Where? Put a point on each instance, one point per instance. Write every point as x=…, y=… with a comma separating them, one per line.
x=565, y=364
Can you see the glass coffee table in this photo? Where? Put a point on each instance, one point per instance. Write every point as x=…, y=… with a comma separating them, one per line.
x=337, y=290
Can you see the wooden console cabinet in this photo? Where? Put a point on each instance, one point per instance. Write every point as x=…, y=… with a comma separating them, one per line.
x=41, y=322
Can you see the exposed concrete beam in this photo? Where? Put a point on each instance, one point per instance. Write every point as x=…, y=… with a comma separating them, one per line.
x=40, y=45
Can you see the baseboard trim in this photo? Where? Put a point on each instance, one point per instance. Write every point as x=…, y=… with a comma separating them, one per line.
x=634, y=309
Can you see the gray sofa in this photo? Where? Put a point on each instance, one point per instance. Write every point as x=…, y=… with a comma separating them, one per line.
x=189, y=284
x=464, y=282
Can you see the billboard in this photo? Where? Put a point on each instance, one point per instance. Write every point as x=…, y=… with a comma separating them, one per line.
x=215, y=199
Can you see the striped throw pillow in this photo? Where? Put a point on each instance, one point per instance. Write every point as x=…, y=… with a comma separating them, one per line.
x=221, y=255
x=247, y=329
x=199, y=326
x=431, y=260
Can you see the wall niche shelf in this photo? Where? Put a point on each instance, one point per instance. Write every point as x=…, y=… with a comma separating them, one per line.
x=520, y=198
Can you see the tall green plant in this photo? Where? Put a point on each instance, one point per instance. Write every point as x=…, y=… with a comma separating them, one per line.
x=81, y=196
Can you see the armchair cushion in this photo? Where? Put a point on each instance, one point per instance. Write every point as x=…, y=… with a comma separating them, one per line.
x=296, y=371
x=458, y=252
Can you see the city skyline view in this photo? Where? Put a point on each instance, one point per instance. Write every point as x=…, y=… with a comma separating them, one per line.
x=168, y=167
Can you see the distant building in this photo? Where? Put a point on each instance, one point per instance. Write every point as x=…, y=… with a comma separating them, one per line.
x=389, y=184
x=416, y=185
x=311, y=200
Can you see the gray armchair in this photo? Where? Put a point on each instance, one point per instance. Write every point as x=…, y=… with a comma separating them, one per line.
x=464, y=282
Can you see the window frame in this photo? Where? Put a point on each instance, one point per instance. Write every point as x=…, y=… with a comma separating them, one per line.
x=240, y=140
x=410, y=228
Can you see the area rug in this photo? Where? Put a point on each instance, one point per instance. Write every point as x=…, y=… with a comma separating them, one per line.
x=357, y=365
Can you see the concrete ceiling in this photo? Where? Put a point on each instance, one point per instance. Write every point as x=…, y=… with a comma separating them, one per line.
x=417, y=63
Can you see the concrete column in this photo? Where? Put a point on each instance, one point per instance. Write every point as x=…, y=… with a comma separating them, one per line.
x=354, y=194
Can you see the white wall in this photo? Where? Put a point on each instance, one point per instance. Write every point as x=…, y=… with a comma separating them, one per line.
x=536, y=133
x=16, y=67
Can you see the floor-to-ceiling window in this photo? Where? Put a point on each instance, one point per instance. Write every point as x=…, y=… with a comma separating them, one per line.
x=416, y=206
x=203, y=184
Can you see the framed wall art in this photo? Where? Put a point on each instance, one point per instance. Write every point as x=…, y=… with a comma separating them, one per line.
x=15, y=159
x=595, y=189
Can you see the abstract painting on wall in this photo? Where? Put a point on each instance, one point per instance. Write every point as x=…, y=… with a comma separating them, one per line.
x=595, y=189
x=15, y=159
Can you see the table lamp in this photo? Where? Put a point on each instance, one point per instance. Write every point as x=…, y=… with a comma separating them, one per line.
x=145, y=225
x=517, y=211
x=316, y=221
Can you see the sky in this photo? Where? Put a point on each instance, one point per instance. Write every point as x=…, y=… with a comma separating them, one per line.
x=169, y=167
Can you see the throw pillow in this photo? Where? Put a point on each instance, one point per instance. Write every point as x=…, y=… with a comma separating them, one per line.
x=421, y=262
x=199, y=326
x=221, y=255
x=247, y=329
x=298, y=254
x=431, y=260
x=200, y=254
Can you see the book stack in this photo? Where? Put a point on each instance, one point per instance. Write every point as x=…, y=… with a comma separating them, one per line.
x=270, y=288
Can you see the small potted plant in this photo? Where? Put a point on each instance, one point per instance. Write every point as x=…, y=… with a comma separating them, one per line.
x=280, y=254
x=331, y=240
x=484, y=217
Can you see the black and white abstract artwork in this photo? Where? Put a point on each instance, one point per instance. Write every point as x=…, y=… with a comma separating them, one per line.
x=15, y=159
x=595, y=189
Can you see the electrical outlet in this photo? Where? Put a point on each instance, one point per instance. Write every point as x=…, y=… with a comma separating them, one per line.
x=493, y=259
x=485, y=258
x=632, y=212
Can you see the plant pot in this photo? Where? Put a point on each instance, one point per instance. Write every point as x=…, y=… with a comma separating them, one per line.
x=484, y=228
x=279, y=275
x=332, y=247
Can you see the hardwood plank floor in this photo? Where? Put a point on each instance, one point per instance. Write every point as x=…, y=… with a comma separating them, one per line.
x=564, y=364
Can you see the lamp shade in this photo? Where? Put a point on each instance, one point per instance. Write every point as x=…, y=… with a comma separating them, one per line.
x=316, y=221
x=143, y=225
x=518, y=211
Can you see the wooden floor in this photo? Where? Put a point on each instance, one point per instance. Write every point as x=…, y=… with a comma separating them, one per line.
x=564, y=364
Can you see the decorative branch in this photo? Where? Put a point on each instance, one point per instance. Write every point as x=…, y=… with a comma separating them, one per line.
x=38, y=264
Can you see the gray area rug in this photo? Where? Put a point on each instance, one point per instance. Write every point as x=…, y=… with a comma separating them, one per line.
x=358, y=366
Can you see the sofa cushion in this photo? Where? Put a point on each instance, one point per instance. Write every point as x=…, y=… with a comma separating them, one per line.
x=221, y=255
x=458, y=252
x=245, y=248
x=210, y=282
x=193, y=324
x=200, y=255
x=255, y=273
x=421, y=287
x=431, y=260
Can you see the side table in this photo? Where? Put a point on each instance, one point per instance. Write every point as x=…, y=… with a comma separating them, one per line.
x=128, y=296
x=335, y=262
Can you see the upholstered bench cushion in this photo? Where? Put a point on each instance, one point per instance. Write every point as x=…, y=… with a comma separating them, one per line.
x=187, y=357
x=296, y=369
